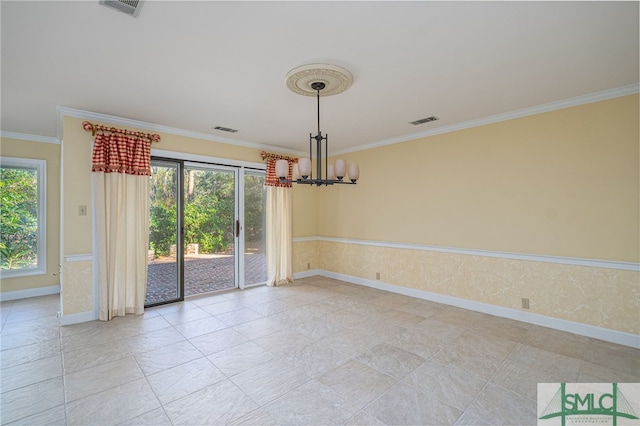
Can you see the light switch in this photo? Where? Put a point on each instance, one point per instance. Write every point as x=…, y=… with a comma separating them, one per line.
x=82, y=210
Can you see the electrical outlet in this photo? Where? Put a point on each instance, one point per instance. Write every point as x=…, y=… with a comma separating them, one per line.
x=82, y=210
x=377, y=275
x=308, y=266
x=525, y=303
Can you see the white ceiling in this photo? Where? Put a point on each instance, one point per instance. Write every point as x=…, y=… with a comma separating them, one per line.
x=197, y=65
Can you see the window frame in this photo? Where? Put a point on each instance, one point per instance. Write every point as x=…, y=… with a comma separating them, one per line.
x=41, y=235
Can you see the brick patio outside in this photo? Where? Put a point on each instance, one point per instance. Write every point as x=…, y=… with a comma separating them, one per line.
x=202, y=274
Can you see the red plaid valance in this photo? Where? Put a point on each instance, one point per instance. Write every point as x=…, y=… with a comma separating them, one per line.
x=121, y=151
x=272, y=179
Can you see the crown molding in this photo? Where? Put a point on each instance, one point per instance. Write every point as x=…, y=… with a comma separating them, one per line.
x=30, y=138
x=604, y=95
x=88, y=115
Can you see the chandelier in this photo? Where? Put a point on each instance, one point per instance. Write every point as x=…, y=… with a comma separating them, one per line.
x=310, y=80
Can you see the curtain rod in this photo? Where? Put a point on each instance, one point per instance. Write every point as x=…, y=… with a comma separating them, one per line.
x=265, y=154
x=100, y=128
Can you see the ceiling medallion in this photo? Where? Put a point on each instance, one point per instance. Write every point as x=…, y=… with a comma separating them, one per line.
x=318, y=80
x=336, y=79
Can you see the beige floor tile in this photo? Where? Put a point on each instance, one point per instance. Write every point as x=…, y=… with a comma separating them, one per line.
x=114, y=405
x=449, y=385
x=218, y=341
x=406, y=405
x=23, y=354
x=438, y=330
x=363, y=419
x=36, y=335
x=357, y=383
x=33, y=399
x=560, y=342
x=469, y=359
x=499, y=406
x=502, y=327
x=312, y=404
x=423, y=308
x=417, y=343
x=594, y=373
x=269, y=380
x=298, y=362
x=317, y=328
x=390, y=360
x=220, y=403
x=180, y=317
x=167, y=357
x=260, y=327
x=458, y=316
x=199, y=327
x=527, y=366
x=491, y=345
x=31, y=372
x=96, y=379
x=284, y=342
x=101, y=354
x=614, y=356
x=240, y=358
x=259, y=417
x=238, y=316
x=155, y=417
x=55, y=416
x=316, y=359
x=177, y=382
x=153, y=340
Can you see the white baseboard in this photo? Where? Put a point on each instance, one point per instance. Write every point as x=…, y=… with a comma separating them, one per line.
x=29, y=292
x=77, y=318
x=306, y=274
x=614, y=336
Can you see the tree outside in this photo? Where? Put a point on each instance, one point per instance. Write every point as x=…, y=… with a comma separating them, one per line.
x=209, y=210
x=18, y=218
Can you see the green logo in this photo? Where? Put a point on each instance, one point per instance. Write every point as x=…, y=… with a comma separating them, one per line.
x=565, y=404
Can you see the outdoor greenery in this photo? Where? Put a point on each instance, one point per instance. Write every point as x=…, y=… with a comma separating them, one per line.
x=209, y=210
x=18, y=217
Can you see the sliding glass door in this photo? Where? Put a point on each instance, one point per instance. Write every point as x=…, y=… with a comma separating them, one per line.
x=255, y=263
x=164, y=260
x=206, y=229
x=210, y=218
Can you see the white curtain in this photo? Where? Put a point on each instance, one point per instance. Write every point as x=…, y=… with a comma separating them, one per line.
x=279, y=214
x=121, y=167
x=122, y=221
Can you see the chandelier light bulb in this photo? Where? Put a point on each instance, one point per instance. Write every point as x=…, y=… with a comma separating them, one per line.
x=282, y=168
x=340, y=168
x=304, y=167
x=354, y=172
x=331, y=174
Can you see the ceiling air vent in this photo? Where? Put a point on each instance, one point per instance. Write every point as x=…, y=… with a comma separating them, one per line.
x=424, y=120
x=226, y=129
x=129, y=7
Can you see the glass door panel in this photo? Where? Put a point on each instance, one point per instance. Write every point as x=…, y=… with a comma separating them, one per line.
x=255, y=264
x=210, y=214
x=164, y=259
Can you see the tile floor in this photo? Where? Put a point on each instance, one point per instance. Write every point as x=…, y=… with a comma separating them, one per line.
x=316, y=352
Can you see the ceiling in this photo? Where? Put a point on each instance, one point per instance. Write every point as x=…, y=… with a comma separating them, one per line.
x=197, y=65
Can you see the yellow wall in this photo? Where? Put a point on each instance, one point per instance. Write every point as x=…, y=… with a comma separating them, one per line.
x=51, y=153
x=562, y=183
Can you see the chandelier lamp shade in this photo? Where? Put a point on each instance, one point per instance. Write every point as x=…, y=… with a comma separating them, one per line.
x=311, y=80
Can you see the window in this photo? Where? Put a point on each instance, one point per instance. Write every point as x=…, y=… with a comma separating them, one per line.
x=22, y=217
